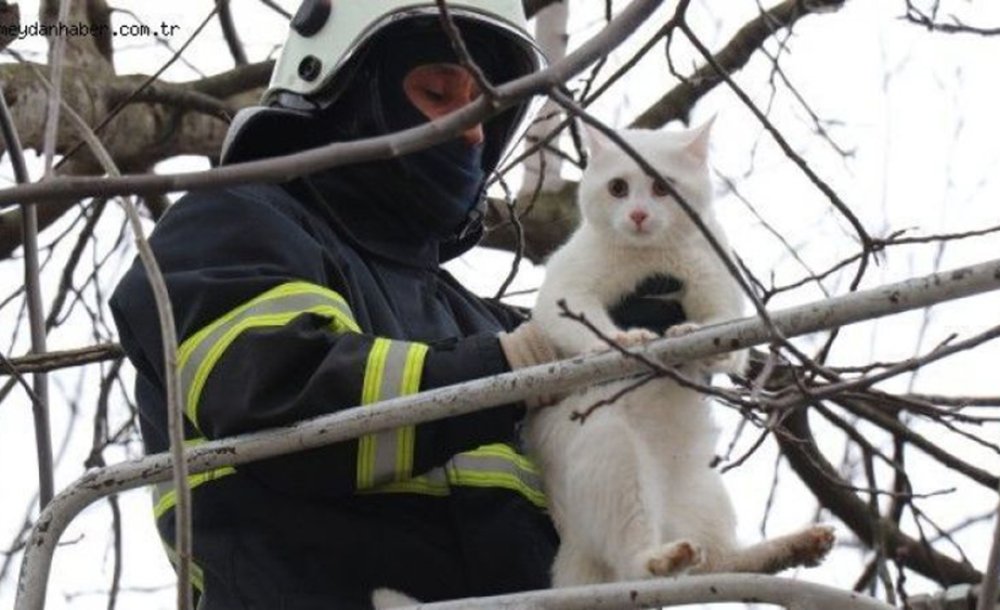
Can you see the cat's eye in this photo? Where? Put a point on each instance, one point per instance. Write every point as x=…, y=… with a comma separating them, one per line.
x=618, y=187
x=660, y=188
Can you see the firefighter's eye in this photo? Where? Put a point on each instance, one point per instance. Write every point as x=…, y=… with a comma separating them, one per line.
x=434, y=95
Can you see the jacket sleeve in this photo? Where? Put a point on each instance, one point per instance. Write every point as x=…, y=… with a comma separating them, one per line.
x=264, y=343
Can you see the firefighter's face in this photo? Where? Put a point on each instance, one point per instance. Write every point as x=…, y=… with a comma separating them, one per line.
x=440, y=88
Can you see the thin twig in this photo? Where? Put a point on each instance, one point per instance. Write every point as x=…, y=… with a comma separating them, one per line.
x=175, y=416
x=229, y=32
x=915, y=15
x=274, y=6
x=861, y=408
x=36, y=313
x=7, y=367
x=286, y=167
x=988, y=594
x=99, y=127
x=462, y=51
x=66, y=280
x=825, y=188
x=50, y=361
x=906, y=366
x=957, y=402
x=519, y=239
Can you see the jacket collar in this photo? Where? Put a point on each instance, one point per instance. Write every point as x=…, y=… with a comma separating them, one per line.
x=365, y=224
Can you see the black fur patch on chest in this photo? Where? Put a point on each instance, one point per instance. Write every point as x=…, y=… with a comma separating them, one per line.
x=654, y=305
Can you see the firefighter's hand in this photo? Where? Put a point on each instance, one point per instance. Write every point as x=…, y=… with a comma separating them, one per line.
x=527, y=346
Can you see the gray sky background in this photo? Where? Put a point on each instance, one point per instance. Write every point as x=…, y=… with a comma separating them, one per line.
x=917, y=111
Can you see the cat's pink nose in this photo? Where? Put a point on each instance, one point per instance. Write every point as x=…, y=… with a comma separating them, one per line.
x=638, y=217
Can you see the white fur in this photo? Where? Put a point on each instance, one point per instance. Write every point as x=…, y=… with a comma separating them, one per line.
x=631, y=490
x=386, y=599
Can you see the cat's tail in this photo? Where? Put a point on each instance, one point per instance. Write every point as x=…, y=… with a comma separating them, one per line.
x=804, y=548
x=384, y=599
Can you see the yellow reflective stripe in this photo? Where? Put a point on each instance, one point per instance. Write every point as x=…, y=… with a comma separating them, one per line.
x=489, y=466
x=168, y=499
x=375, y=370
x=506, y=452
x=505, y=480
x=407, y=435
x=199, y=353
x=197, y=574
x=368, y=444
x=393, y=369
x=498, y=465
x=164, y=494
x=434, y=483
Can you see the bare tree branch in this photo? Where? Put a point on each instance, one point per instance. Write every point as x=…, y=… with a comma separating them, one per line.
x=287, y=167
x=799, y=448
x=988, y=593
x=678, y=102
x=39, y=393
x=915, y=15
x=229, y=32
x=55, y=360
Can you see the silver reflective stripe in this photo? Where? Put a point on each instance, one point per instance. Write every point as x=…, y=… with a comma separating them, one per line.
x=199, y=353
x=490, y=466
x=497, y=465
x=393, y=369
x=160, y=490
x=389, y=444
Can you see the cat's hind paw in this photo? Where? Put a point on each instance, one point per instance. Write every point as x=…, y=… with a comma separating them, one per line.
x=674, y=558
x=812, y=545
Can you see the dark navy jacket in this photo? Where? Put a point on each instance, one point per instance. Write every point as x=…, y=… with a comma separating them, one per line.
x=286, y=309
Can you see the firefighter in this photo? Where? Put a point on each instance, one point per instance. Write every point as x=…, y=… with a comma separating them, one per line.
x=323, y=293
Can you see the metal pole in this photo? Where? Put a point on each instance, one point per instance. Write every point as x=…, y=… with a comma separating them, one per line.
x=696, y=589
x=481, y=394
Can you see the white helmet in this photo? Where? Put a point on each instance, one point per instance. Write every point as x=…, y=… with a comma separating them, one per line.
x=328, y=39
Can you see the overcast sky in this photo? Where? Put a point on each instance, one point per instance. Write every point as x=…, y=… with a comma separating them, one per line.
x=916, y=111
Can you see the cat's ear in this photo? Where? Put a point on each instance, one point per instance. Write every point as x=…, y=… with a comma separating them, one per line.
x=698, y=140
x=594, y=141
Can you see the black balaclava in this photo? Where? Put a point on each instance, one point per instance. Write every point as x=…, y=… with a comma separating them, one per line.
x=449, y=176
x=428, y=197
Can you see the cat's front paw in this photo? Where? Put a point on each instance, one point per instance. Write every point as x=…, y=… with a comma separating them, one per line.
x=624, y=338
x=679, y=330
x=634, y=336
x=675, y=558
x=729, y=363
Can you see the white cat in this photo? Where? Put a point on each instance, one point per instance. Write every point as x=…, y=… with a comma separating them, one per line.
x=631, y=489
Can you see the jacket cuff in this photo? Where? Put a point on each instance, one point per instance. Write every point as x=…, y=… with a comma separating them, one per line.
x=465, y=359
x=457, y=360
